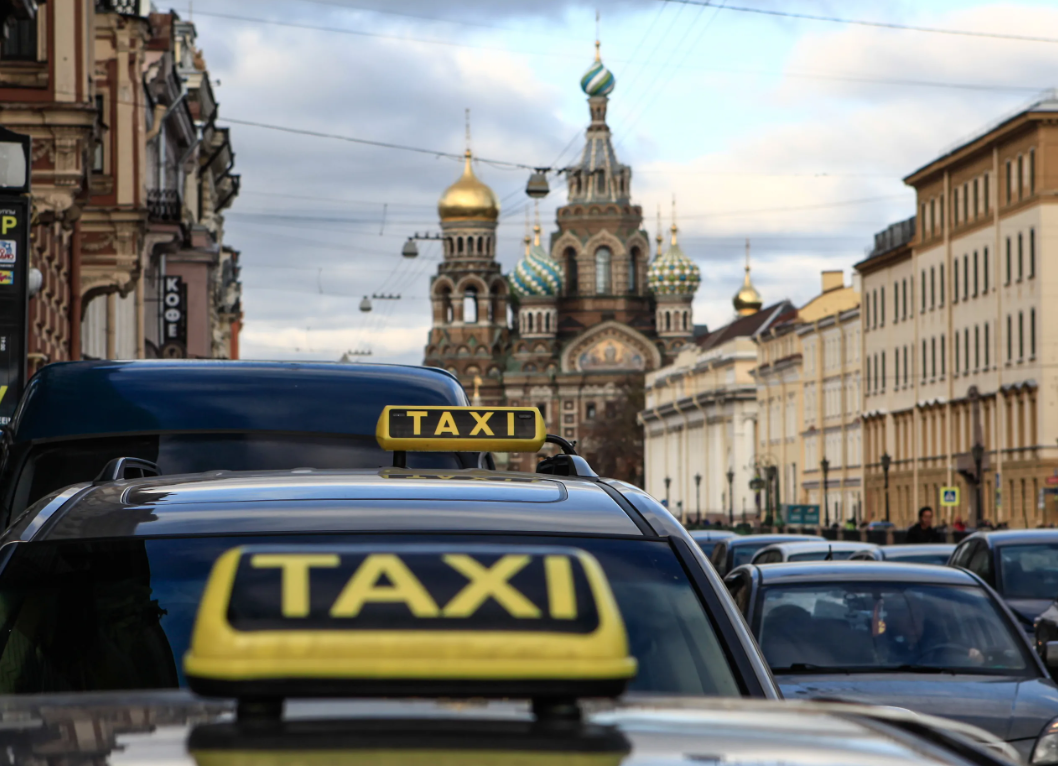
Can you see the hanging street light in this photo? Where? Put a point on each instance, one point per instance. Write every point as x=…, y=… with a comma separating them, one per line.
x=538, y=188
x=410, y=249
x=365, y=304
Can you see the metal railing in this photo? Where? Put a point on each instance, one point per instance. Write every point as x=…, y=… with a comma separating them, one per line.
x=163, y=205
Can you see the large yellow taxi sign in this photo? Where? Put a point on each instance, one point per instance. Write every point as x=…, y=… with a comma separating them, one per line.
x=456, y=429
x=278, y=621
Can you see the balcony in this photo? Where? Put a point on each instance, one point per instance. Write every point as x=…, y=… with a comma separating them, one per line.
x=124, y=7
x=163, y=206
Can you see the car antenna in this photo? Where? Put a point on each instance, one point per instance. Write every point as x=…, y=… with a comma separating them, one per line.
x=830, y=553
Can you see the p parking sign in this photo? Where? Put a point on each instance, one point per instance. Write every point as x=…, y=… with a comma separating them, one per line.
x=949, y=496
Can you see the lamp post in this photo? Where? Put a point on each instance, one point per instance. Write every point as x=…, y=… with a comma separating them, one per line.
x=668, y=481
x=15, y=166
x=731, y=496
x=886, y=462
x=698, y=498
x=824, y=464
x=978, y=453
x=773, y=487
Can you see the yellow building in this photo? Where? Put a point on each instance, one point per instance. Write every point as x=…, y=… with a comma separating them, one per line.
x=954, y=350
x=808, y=401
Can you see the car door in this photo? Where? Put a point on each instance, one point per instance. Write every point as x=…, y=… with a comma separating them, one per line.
x=719, y=557
x=980, y=562
x=740, y=584
x=961, y=555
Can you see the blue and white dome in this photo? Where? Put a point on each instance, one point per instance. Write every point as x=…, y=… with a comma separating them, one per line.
x=673, y=273
x=536, y=275
x=598, y=80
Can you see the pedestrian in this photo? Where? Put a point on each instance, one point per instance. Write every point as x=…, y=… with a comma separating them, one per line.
x=959, y=525
x=923, y=531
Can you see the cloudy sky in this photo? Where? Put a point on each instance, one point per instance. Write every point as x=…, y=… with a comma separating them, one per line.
x=794, y=133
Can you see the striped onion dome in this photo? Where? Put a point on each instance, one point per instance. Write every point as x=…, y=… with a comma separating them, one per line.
x=673, y=273
x=536, y=275
x=598, y=80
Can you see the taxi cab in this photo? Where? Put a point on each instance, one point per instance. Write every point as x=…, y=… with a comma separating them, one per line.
x=100, y=581
x=453, y=651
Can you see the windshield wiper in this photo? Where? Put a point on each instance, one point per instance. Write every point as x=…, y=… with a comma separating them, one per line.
x=808, y=667
x=908, y=668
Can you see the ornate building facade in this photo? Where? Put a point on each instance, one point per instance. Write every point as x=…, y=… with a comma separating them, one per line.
x=588, y=313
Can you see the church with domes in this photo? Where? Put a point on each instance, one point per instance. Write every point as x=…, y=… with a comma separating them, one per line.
x=576, y=316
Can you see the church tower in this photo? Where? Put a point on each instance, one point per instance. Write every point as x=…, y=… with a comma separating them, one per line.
x=747, y=300
x=674, y=279
x=469, y=332
x=600, y=244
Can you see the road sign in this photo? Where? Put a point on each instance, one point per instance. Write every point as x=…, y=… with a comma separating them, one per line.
x=803, y=514
x=949, y=496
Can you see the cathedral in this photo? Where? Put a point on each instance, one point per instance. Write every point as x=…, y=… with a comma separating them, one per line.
x=574, y=318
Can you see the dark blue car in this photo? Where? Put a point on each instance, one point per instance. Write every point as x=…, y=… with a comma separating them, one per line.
x=190, y=416
x=933, y=639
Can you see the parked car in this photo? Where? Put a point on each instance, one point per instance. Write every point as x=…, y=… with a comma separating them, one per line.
x=1020, y=564
x=810, y=550
x=908, y=554
x=736, y=551
x=933, y=639
x=707, y=539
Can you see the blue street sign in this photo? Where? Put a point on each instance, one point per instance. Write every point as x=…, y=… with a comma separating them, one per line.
x=803, y=514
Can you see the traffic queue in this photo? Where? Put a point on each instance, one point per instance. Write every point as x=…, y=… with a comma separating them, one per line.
x=220, y=562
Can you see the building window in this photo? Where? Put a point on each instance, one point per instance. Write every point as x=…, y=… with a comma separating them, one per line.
x=922, y=217
x=1032, y=253
x=984, y=271
x=1021, y=335
x=955, y=370
x=882, y=292
x=988, y=352
x=1032, y=171
x=955, y=207
x=883, y=370
x=874, y=308
x=941, y=206
x=1021, y=256
x=470, y=305
x=19, y=41
x=985, y=195
x=966, y=347
x=907, y=366
x=1021, y=176
x=1032, y=333
x=932, y=355
x=932, y=287
x=925, y=366
x=976, y=200
x=932, y=218
x=923, y=291
x=904, y=301
x=633, y=265
x=1008, y=261
x=603, y=257
x=896, y=301
x=896, y=367
x=966, y=202
x=977, y=347
x=966, y=277
x=571, y=271
x=1009, y=182
x=943, y=356
x=940, y=280
x=955, y=280
x=975, y=273
x=1010, y=338
x=589, y=411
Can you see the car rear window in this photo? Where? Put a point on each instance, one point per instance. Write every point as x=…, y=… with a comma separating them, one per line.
x=117, y=614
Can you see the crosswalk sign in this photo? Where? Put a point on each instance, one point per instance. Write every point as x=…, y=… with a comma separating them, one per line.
x=949, y=496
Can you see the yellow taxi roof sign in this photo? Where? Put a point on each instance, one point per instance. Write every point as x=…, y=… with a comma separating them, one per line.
x=460, y=429
x=417, y=620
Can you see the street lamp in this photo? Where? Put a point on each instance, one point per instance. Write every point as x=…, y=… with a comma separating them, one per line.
x=825, y=465
x=886, y=462
x=731, y=496
x=538, y=188
x=978, y=453
x=668, y=481
x=698, y=498
x=773, y=487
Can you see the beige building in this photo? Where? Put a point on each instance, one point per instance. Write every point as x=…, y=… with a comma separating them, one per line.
x=808, y=391
x=954, y=353
x=700, y=419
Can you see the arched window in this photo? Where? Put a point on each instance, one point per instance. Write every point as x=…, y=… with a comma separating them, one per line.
x=571, y=271
x=459, y=245
x=633, y=265
x=600, y=181
x=528, y=321
x=603, y=257
x=449, y=246
x=446, y=305
x=481, y=246
x=668, y=320
x=685, y=321
x=547, y=322
x=470, y=305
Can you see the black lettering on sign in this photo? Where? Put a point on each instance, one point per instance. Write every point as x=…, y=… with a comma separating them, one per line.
x=412, y=423
x=414, y=588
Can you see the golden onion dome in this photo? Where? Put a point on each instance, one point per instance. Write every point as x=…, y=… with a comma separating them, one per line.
x=468, y=199
x=747, y=300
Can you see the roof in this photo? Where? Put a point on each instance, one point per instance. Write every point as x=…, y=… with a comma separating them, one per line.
x=919, y=548
x=1019, y=536
x=821, y=545
x=897, y=237
x=307, y=501
x=748, y=326
x=855, y=571
x=207, y=395
x=157, y=727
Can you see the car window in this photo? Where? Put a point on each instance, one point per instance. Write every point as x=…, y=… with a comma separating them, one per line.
x=939, y=559
x=117, y=614
x=1029, y=571
x=743, y=554
x=980, y=562
x=719, y=557
x=823, y=555
x=739, y=586
x=876, y=626
x=962, y=554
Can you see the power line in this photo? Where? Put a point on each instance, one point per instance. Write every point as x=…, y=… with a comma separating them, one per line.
x=865, y=23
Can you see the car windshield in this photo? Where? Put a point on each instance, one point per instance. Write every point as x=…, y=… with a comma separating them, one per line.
x=743, y=554
x=878, y=626
x=117, y=614
x=54, y=465
x=1029, y=571
x=939, y=559
x=820, y=555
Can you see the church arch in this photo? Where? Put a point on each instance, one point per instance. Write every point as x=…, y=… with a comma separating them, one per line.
x=603, y=270
x=470, y=305
x=459, y=245
x=630, y=339
x=634, y=256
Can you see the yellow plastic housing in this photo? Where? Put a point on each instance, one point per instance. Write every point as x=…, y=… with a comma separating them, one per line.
x=461, y=429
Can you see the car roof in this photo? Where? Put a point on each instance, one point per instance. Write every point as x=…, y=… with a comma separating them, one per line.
x=769, y=539
x=912, y=549
x=313, y=501
x=822, y=545
x=159, y=727
x=1017, y=536
x=855, y=571
x=146, y=396
x=708, y=535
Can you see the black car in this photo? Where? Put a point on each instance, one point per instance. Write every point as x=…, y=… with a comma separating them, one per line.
x=932, y=639
x=1021, y=565
x=736, y=551
x=708, y=539
x=100, y=583
x=184, y=416
x=936, y=554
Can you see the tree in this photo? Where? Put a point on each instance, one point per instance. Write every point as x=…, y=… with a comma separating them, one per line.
x=613, y=442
